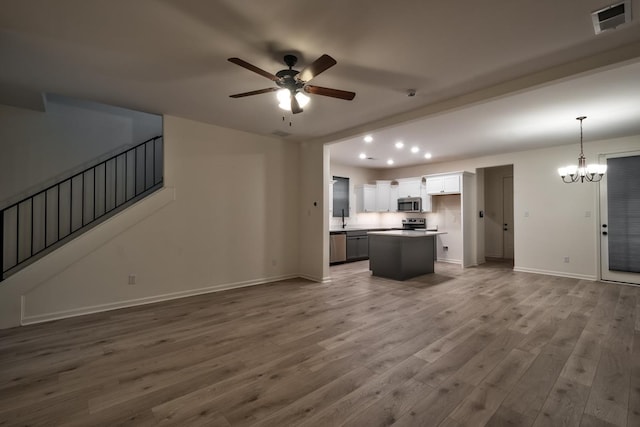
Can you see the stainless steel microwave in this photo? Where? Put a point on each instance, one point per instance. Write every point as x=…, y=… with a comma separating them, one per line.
x=410, y=204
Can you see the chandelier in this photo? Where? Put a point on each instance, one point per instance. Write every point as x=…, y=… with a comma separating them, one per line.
x=572, y=173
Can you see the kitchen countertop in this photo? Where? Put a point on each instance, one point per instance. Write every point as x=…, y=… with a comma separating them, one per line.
x=407, y=233
x=340, y=229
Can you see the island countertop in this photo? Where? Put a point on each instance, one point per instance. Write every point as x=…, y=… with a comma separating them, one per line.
x=407, y=233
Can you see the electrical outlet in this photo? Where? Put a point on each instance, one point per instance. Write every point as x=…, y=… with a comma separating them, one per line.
x=567, y=259
x=445, y=248
x=132, y=279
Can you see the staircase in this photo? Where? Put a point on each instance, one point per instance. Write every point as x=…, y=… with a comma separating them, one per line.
x=44, y=221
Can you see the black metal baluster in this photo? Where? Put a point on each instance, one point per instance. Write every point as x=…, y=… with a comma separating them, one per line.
x=126, y=176
x=18, y=234
x=135, y=173
x=58, y=221
x=144, y=186
x=154, y=161
x=1, y=245
x=71, y=206
x=82, y=200
x=104, y=211
x=31, y=246
x=46, y=206
x=95, y=194
x=115, y=179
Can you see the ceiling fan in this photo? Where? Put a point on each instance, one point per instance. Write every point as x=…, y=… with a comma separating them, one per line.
x=295, y=81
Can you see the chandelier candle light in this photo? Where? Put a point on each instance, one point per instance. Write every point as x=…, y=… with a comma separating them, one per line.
x=592, y=173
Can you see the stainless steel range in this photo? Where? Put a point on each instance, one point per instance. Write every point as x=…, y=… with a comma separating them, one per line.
x=414, y=223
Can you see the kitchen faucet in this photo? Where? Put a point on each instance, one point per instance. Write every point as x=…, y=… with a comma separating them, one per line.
x=344, y=224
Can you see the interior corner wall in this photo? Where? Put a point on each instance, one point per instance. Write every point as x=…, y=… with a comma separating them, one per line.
x=234, y=222
x=39, y=148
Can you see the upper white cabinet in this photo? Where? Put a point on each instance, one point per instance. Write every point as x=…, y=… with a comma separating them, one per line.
x=443, y=184
x=426, y=198
x=366, y=198
x=383, y=196
x=409, y=187
x=393, y=198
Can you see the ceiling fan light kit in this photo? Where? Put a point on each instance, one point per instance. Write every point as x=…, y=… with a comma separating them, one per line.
x=292, y=83
x=591, y=173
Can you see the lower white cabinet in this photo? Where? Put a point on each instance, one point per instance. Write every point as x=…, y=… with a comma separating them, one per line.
x=365, y=198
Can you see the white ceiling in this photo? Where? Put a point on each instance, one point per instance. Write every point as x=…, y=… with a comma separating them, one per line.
x=170, y=57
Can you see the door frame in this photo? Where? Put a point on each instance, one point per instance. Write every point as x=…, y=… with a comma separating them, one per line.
x=603, y=255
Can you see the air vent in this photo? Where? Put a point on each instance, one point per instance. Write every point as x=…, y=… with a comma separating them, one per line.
x=611, y=16
x=280, y=133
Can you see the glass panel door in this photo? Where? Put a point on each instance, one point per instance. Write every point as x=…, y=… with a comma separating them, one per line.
x=620, y=218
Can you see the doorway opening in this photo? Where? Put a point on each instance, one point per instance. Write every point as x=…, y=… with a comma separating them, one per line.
x=498, y=214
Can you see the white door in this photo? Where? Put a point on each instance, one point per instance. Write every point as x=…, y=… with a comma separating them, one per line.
x=507, y=216
x=620, y=219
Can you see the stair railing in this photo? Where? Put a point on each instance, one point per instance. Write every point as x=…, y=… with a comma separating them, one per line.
x=39, y=223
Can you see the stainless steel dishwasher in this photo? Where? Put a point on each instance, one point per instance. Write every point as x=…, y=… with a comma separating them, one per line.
x=337, y=247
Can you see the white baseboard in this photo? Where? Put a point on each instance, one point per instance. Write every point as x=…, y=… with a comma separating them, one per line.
x=315, y=279
x=47, y=317
x=450, y=260
x=555, y=273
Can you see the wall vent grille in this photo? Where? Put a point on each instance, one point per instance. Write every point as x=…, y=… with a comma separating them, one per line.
x=611, y=17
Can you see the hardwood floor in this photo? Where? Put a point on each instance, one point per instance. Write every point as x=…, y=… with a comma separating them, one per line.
x=474, y=347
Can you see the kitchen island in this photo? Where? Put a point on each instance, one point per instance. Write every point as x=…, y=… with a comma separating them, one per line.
x=402, y=254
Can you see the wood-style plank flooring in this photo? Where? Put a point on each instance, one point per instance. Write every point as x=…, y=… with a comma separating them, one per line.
x=474, y=347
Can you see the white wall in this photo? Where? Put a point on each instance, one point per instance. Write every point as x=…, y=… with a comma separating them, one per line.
x=556, y=224
x=234, y=222
x=39, y=148
x=314, y=211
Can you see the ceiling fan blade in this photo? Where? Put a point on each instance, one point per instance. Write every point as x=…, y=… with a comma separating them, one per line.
x=253, y=68
x=254, y=92
x=295, y=107
x=318, y=66
x=326, y=91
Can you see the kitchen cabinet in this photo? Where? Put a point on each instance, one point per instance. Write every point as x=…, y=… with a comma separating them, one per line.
x=409, y=187
x=443, y=184
x=426, y=198
x=357, y=245
x=383, y=196
x=365, y=198
x=393, y=198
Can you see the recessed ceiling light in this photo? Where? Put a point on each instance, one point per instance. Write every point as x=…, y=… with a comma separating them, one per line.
x=427, y=155
x=414, y=149
x=390, y=161
x=399, y=144
x=362, y=156
x=368, y=138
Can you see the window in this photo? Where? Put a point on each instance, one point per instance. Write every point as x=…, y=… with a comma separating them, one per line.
x=340, y=196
